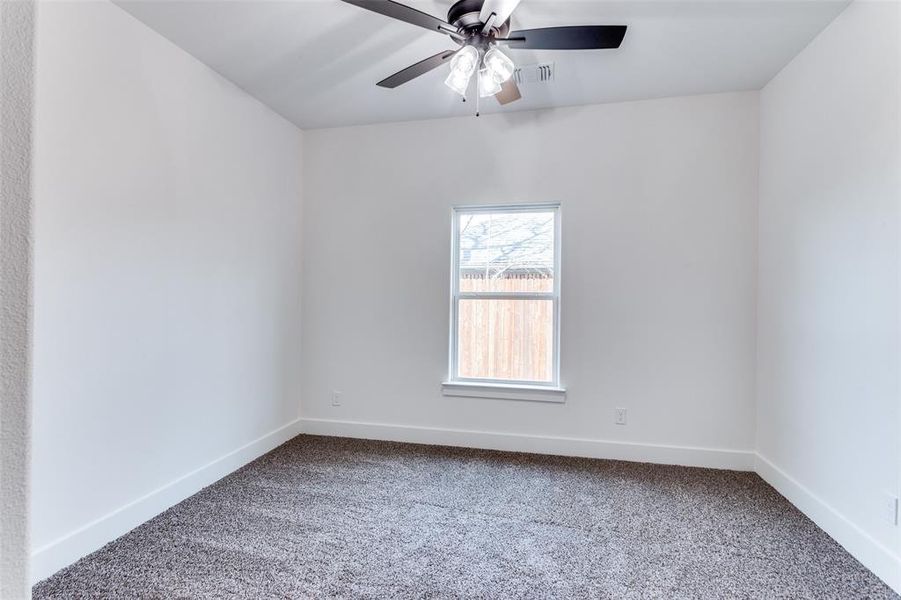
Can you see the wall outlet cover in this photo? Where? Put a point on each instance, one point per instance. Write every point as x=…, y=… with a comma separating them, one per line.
x=892, y=508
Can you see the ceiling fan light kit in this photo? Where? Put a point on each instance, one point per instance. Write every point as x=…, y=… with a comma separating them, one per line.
x=498, y=69
x=479, y=26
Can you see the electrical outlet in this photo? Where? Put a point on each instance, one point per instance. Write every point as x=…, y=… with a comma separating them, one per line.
x=336, y=398
x=619, y=416
x=892, y=509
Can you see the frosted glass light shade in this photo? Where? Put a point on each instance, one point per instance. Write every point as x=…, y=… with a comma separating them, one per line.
x=458, y=81
x=499, y=65
x=463, y=64
x=488, y=85
x=465, y=60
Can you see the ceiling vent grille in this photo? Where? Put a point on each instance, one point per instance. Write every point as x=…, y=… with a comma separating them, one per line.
x=540, y=73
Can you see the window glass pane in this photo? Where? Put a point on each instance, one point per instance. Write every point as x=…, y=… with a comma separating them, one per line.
x=507, y=252
x=506, y=339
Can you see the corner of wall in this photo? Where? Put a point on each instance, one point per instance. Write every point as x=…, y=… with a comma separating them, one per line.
x=300, y=242
x=805, y=74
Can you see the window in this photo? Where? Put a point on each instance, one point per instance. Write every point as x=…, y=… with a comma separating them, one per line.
x=505, y=305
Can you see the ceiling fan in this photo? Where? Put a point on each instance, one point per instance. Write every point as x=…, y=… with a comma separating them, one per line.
x=479, y=27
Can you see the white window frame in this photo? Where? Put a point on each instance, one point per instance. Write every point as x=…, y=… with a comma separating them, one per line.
x=455, y=385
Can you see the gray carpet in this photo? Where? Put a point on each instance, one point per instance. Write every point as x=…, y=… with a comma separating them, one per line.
x=328, y=517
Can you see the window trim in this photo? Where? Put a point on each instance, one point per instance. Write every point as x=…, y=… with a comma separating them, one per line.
x=503, y=388
x=505, y=391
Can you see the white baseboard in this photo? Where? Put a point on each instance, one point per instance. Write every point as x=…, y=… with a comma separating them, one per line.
x=715, y=458
x=50, y=558
x=873, y=555
x=62, y=552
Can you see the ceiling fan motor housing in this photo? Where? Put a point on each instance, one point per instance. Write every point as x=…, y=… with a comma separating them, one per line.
x=464, y=15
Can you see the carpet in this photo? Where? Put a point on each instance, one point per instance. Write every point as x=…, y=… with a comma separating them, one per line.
x=323, y=517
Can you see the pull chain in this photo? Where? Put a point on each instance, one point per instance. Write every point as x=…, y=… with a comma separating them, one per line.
x=478, y=83
x=478, y=92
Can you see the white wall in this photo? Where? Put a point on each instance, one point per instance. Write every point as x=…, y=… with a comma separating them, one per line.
x=16, y=105
x=829, y=403
x=167, y=335
x=167, y=277
x=659, y=206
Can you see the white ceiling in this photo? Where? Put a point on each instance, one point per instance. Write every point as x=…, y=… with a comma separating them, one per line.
x=317, y=61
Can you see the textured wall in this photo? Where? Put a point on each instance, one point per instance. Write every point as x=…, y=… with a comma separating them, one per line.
x=16, y=67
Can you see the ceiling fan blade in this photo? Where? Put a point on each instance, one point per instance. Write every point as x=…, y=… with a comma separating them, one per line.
x=402, y=12
x=509, y=92
x=578, y=37
x=501, y=8
x=414, y=71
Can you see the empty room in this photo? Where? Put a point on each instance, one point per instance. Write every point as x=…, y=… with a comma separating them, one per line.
x=450, y=299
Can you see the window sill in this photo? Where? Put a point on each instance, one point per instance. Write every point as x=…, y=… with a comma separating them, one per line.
x=531, y=393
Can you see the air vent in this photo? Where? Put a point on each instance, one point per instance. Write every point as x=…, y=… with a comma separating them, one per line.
x=540, y=73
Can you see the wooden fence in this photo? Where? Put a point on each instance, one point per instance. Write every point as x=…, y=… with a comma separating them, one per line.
x=506, y=339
